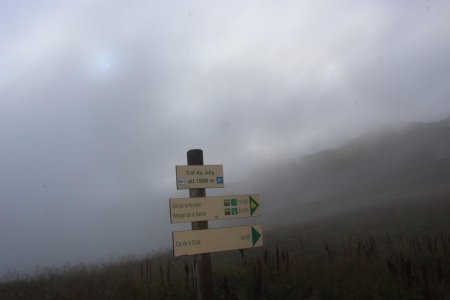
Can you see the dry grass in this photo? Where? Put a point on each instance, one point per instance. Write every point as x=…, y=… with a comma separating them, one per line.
x=342, y=258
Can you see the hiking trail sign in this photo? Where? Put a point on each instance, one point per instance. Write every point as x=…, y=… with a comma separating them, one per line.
x=199, y=209
x=218, y=239
x=184, y=210
x=199, y=176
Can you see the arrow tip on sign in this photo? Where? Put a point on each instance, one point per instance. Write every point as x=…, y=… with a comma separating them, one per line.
x=253, y=205
x=255, y=236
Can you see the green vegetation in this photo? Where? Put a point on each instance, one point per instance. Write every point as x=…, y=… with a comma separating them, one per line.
x=391, y=252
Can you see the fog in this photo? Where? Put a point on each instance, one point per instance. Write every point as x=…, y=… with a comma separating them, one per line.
x=99, y=100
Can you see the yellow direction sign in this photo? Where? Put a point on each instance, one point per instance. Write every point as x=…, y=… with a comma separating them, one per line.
x=184, y=210
x=218, y=239
x=199, y=176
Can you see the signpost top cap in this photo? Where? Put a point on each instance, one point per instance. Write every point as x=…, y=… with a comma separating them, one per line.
x=195, y=157
x=195, y=150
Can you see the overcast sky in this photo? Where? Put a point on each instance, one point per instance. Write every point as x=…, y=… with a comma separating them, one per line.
x=100, y=99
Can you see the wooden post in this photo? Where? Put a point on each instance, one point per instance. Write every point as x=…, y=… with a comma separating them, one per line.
x=202, y=261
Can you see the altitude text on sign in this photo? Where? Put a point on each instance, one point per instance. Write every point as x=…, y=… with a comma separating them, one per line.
x=199, y=176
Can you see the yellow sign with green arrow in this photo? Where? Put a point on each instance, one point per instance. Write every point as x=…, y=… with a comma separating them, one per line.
x=217, y=239
x=183, y=210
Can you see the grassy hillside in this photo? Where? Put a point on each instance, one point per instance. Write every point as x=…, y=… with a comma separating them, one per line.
x=391, y=252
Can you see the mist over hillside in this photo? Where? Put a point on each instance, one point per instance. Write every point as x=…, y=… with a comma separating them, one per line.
x=385, y=165
x=368, y=218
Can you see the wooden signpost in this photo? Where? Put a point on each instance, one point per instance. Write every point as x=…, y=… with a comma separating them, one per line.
x=198, y=209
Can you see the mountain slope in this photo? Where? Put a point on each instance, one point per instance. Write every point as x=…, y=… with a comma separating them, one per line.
x=410, y=161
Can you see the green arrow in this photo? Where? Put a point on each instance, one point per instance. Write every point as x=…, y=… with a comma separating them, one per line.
x=255, y=236
x=253, y=205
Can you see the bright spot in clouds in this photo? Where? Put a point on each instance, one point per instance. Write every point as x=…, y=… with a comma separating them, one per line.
x=102, y=65
x=103, y=62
